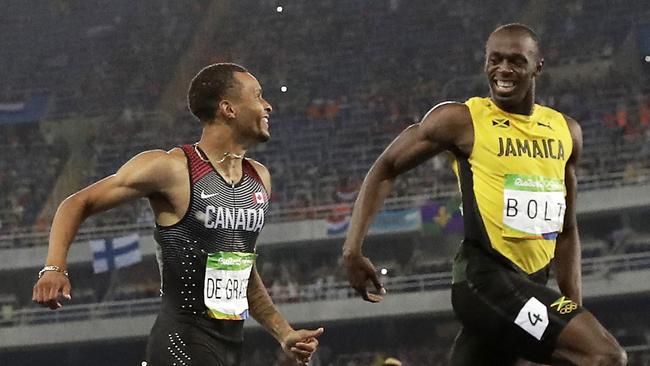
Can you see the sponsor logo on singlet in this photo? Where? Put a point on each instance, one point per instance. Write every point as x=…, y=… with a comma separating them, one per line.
x=247, y=219
x=564, y=305
x=206, y=195
x=536, y=148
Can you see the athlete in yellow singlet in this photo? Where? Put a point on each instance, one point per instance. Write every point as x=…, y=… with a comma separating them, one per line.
x=515, y=162
x=517, y=192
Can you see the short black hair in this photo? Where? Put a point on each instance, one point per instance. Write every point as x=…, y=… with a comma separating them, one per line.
x=209, y=87
x=520, y=28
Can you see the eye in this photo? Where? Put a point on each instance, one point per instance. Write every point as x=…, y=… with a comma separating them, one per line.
x=520, y=61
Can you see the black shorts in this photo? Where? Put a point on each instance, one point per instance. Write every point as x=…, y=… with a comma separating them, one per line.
x=180, y=340
x=506, y=314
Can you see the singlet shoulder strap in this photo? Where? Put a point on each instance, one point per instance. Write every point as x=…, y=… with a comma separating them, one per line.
x=249, y=169
x=198, y=168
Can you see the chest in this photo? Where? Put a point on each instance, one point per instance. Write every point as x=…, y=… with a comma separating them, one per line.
x=215, y=204
x=534, y=146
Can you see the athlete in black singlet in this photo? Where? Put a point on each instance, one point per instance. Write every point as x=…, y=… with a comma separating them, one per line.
x=222, y=223
x=210, y=204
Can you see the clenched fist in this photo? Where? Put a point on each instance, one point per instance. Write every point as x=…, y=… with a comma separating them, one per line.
x=50, y=288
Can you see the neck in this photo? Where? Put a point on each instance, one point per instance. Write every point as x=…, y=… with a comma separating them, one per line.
x=519, y=108
x=219, y=138
x=218, y=141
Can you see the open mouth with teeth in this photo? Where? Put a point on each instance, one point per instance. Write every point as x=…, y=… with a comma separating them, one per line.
x=504, y=86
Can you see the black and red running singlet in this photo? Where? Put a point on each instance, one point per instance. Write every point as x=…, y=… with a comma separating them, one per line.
x=221, y=218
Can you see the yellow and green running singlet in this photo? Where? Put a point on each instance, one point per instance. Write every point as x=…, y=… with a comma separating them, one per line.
x=513, y=182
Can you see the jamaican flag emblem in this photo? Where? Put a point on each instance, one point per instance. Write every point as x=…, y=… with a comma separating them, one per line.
x=501, y=122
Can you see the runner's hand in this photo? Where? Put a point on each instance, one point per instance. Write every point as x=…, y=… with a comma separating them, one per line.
x=50, y=288
x=361, y=270
x=301, y=344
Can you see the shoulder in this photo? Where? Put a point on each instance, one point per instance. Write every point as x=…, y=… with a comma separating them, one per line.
x=161, y=158
x=576, y=135
x=570, y=121
x=156, y=163
x=262, y=171
x=448, y=123
x=449, y=109
x=447, y=115
x=574, y=127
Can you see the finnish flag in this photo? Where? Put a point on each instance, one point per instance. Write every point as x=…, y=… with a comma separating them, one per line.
x=109, y=254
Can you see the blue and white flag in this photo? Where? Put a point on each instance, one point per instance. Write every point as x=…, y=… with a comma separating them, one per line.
x=109, y=254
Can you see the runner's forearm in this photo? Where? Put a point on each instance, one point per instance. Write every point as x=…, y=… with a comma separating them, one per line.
x=68, y=218
x=263, y=310
x=374, y=190
x=567, y=264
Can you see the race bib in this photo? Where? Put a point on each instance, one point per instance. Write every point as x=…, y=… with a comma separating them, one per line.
x=226, y=283
x=533, y=207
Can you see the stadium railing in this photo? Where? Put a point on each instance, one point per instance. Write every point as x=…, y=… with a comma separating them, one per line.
x=307, y=293
x=115, y=226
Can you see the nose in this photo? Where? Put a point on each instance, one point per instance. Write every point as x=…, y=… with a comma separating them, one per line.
x=267, y=106
x=504, y=66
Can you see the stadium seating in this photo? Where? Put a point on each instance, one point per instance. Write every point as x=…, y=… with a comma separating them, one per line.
x=357, y=73
x=344, y=105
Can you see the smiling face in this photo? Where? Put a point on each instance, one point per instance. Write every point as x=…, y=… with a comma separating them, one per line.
x=251, y=110
x=512, y=62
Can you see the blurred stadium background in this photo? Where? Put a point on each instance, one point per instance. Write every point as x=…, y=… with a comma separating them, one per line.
x=87, y=84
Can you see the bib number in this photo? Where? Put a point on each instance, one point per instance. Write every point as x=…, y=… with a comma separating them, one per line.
x=533, y=207
x=226, y=283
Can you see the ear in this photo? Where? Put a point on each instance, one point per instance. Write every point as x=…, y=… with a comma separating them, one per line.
x=226, y=109
x=539, y=66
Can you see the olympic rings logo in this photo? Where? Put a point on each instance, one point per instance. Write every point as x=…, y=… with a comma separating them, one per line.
x=566, y=309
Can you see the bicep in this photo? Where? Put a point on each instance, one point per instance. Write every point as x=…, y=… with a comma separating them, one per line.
x=107, y=193
x=441, y=129
x=139, y=177
x=411, y=148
